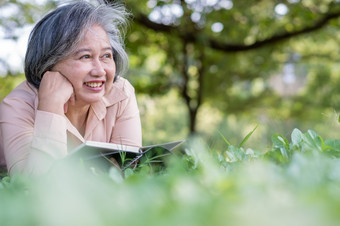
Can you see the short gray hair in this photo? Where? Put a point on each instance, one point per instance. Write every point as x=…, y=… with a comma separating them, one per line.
x=57, y=35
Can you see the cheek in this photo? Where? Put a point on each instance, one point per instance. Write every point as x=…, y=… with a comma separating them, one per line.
x=108, y=86
x=109, y=80
x=72, y=71
x=111, y=72
x=76, y=81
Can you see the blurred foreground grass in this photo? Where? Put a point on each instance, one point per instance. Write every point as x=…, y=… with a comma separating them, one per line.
x=297, y=182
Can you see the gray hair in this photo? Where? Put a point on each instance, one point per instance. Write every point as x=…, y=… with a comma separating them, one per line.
x=57, y=35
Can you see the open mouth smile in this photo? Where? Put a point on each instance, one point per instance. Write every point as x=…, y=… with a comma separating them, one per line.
x=94, y=84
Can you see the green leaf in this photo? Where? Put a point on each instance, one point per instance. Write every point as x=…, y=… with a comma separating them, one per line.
x=225, y=139
x=128, y=172
x=280, y=143
x=333, y=143
x=247, y=137
x=332, y=147
x=235, y=153
x=297, y=137
x=313, y=140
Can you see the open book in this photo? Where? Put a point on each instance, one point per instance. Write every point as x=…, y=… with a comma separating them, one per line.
x=101, y=153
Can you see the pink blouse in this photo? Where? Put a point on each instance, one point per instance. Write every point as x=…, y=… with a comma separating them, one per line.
x=31, y=140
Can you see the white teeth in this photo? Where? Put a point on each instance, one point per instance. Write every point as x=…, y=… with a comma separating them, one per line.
x=93, y=84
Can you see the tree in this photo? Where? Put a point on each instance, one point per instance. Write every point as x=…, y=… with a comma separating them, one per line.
x=209, y=49
x=220, y=52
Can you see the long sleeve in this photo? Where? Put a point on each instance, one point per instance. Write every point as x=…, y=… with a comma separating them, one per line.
x=31, y=139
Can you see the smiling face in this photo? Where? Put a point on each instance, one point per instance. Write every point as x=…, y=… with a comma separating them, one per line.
x=90, y=68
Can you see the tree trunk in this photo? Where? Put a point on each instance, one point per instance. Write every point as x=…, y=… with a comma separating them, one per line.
x=193, y=102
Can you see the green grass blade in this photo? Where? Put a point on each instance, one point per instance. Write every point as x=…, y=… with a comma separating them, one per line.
x=225, y=139
x=247, y=137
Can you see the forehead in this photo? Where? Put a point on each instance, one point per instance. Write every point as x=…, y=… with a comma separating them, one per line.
x=94, y=35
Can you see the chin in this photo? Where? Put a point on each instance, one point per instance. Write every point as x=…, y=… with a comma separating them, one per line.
x=92, y=99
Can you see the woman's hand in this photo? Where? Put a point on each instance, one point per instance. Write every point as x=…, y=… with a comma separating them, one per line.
x=55, y=93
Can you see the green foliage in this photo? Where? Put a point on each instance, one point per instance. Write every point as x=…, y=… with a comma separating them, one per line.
x=236, y=82
x=8, y=83
x=295, y=181
x=308, y=142
x=163, y=118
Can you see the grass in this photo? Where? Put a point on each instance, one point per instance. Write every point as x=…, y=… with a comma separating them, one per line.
x=296, y=182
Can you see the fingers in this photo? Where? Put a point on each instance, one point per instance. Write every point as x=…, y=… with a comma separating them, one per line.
x=65, y=108
x=55, y=92
x=72, y=99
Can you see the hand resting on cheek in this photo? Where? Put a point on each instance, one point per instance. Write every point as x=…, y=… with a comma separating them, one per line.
x=55, y=93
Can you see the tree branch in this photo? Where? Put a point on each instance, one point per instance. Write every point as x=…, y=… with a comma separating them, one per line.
x=226, y=47
x=276, y=38
x=144, y=20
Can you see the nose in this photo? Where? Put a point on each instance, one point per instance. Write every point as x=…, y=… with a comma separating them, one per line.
x=97, y=68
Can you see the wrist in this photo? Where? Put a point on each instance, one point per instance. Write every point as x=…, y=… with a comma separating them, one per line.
x=51, y=106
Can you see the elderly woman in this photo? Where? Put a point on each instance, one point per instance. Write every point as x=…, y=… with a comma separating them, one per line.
x=73, y=89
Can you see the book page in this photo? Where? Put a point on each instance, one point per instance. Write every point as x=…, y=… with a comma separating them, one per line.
x=109, y=147
x=168, y=146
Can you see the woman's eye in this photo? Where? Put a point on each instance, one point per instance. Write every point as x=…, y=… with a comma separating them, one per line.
x=108, y=55
x=85, y=57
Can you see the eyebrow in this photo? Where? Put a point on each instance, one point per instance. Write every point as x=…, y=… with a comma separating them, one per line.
x=89, y=50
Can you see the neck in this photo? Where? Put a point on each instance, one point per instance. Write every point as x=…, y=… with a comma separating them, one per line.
x=78, y=116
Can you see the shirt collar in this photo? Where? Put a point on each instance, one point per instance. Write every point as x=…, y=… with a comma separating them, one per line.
x=115, y=95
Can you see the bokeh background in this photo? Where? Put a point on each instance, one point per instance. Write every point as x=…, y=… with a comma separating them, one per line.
x=212, y=67
x=215, y=69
